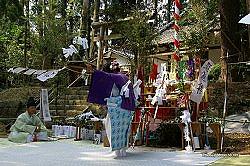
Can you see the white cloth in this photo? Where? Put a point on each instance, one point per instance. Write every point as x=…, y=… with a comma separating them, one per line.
x=69, y=51
x=18, y=70
x=201, y=84
x=81, y=41
x=245, y=20
x=38, y=72
x=85, y=43
x=41, y=136
x=107, y=124
x=30, y=71
x=137, y=89
x=186, y=117
x=125, y=89
x=47, y=75
x=159, y=95
x=44, y=105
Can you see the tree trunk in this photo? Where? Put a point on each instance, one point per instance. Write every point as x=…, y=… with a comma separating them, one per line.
x=85, y=15
x=230, y=37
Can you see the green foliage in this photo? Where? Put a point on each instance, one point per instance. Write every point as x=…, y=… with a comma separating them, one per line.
x=48, y=37
x=115, y=12
x=200, y=20
x=11, y=10
x=138, y=35
x=214, y=73
x=10, y=48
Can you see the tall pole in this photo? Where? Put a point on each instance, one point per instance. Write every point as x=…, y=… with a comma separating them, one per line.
x=26, y=32
x=225, y=104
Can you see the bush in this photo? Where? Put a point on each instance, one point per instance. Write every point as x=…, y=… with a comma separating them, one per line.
x=214, y=73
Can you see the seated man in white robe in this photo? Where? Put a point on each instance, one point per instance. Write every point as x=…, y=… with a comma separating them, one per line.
x=28, y=127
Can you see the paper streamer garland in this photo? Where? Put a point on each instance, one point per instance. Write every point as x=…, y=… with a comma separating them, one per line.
x=176, y=27
x=42, y=75
x=186, y=119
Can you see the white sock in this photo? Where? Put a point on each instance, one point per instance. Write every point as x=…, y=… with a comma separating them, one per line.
x=123, y=152
x=117, y=153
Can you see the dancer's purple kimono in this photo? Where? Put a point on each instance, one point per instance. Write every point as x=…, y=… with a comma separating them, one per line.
x=101, y=87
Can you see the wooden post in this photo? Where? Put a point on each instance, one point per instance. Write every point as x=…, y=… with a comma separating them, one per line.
x=95, y=19
x=100, y=49
x=215, y=127
x=225, y=105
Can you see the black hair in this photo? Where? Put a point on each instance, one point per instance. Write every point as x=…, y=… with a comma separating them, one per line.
x=31, y=102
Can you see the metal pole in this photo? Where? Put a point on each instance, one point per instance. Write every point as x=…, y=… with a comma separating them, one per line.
x=225, y=105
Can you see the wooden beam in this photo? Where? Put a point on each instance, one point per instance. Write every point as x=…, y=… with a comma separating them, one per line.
x=109, y=37
x=169, y=53
x=109, y=23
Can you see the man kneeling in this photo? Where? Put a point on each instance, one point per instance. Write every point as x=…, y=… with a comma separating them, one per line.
x=28, y=127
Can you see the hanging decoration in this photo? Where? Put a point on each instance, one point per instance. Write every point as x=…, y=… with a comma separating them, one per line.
x=30, y=71
x=44, y=105
x=177, y=8
x=201, y=84
x=42, y=75
x=47, y=75
x=17, y=70
x=190, y=70
x=153, y=73
x=69, y=51
x=186, y=120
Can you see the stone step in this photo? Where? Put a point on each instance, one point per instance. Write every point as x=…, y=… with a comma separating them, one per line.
x=75, y=97
x=76, y=92
x=67, y=107
x=57, y=112
x=86, y=87
x=67, y=113
x=72, y=113
x=69, y=102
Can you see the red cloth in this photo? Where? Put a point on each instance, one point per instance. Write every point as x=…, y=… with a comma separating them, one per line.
x=176, y=57
x=140, y=75
x=154, y=73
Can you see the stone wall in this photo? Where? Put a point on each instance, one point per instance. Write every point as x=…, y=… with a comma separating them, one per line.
x=238, y=97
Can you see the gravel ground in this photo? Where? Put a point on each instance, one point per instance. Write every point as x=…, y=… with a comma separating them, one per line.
x=72, y=153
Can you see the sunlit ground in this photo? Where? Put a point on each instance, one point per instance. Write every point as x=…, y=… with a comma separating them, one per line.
x=237, y=161
x=73, y=153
